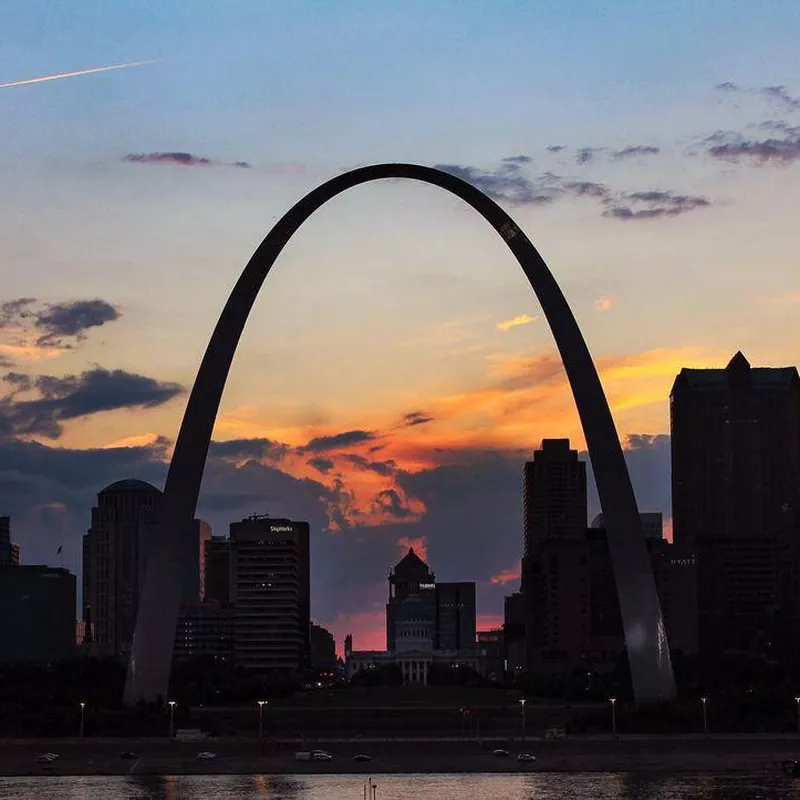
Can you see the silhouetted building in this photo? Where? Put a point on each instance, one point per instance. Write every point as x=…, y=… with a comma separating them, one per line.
x=555, y=578
x=491, y=654
x=455, y=616
x=112, y=560
x=204, y=631
x=38, y=619
x=411, y=609
x=514, y=632
x=572, y=614
x=735, y=495
x=421, y=615
x=9, y=551
x=217, y=570
x=323, y=649
x=269, y=586
x=554, y=494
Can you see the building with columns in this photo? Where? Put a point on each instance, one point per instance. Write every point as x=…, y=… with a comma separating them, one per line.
x=426, y=624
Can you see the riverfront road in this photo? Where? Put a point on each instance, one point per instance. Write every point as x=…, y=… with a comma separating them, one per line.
x=652, y=755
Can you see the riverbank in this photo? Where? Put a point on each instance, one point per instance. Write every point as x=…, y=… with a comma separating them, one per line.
x=651, y=755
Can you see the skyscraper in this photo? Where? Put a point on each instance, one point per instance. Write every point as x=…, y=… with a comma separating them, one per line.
x=112, y=560
x=555, y=573
x=269, y=587
x=735, y=497
x=554, y=494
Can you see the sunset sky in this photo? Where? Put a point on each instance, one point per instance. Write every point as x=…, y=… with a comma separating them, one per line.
x=396, y=370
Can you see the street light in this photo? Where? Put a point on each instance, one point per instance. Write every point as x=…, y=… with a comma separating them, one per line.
x=522, y=707
x=261, y=704
x=83, y=706
x=704, y=700
x=797, y=702
x=613, y=701
x=172, y=705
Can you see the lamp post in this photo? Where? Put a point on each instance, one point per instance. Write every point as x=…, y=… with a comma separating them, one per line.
x=261, y=704
x=704, y=700
x=613, y=701
x=172, y=705
x=797, y=703
x=83, y=707
x=522, y=707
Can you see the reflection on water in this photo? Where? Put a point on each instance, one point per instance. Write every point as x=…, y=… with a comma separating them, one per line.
x=594, y=786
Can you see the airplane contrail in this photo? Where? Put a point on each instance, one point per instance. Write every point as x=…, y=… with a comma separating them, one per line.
x=76, y=74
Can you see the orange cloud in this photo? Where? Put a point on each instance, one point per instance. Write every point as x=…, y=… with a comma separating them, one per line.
x=605, y=302
x=524, y=397
x=506, y=575
x=520, y=319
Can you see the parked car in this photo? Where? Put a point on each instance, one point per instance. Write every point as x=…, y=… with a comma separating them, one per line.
x=500, y=753
x=46, y=758
x=526, y=757
x=206, y=755
x=321, y=755
x=362, y=757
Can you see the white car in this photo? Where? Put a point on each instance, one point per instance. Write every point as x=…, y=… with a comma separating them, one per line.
x=500, y=753
x=526, y=757
x=321, y=755
x=46, y=758
x=206, y=755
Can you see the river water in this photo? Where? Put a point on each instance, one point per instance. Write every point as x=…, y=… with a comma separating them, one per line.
x=586, y=786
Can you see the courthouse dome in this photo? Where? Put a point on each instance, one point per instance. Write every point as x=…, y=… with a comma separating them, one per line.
x=130, y=485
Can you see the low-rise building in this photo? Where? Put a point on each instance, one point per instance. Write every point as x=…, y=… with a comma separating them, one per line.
x=38, y=619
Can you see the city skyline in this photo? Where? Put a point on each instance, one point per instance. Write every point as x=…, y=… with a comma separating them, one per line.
x=428, y=347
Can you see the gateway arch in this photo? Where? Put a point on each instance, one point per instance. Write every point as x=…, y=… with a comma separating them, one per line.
x=645, y=638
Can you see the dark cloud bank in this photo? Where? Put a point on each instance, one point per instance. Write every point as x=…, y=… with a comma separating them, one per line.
x=61, y=325
x=473, y=523
x=58, y=399
x=509, y=183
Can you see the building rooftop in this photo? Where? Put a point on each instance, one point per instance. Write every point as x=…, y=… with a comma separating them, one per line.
x=130, y=485
x=411, y=564
x=737, y=371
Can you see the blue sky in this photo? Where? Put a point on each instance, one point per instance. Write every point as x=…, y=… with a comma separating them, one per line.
x=673, y=248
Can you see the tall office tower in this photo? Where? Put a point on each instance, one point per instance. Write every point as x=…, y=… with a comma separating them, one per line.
x=411, y=608
x=555, y=573
x=554, y=494
x=269, y=590
x=125, y=510
x=455, y=625
x=38, y=619
x=5, y=541
x=217, y=570
x=735, y=501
